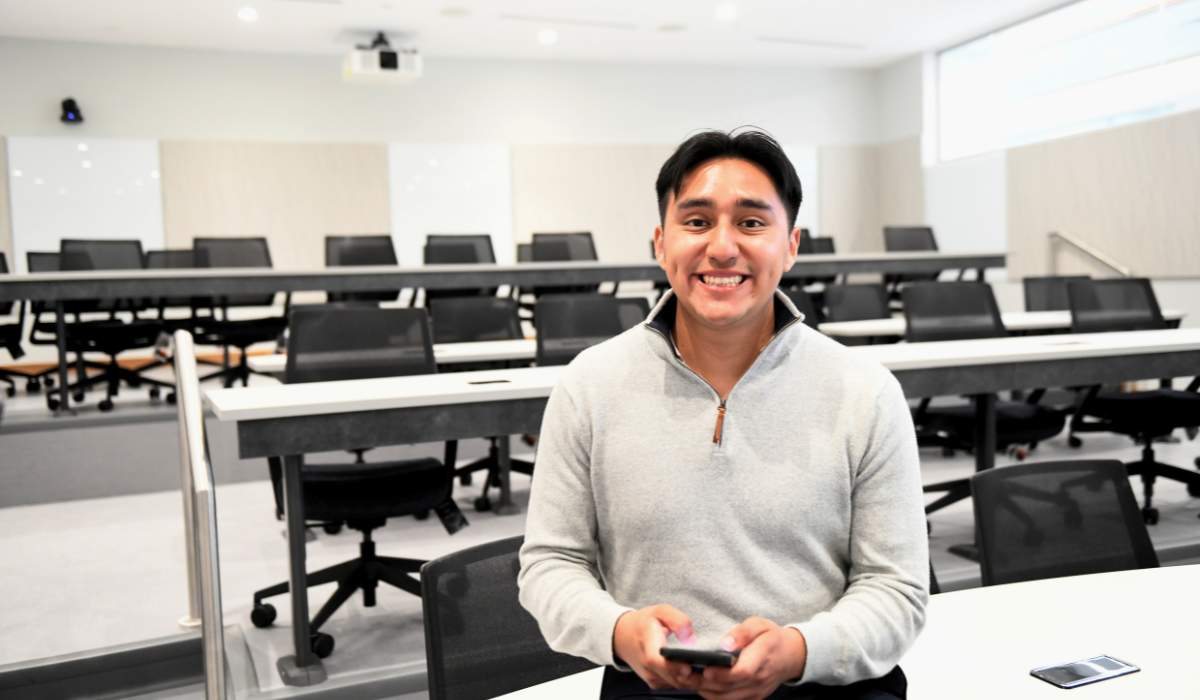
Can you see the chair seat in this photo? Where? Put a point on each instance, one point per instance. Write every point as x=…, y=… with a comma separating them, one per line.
x=1153, y=413
x=112, y=337
x=1017, y=422
x=374, y=490
x=240, y=333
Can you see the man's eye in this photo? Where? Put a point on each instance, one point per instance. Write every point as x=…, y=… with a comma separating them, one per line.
x=753, y=223
x=695, y=223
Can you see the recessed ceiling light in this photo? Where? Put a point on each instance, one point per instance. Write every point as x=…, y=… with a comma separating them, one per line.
x=672, y=28
x=16, y=173
x=82, y=146
x=433, y=162
x=86, y=163
x=726, y=11
x=547, y=36
x=247, y=14
x=454, y=12
x=153, y=174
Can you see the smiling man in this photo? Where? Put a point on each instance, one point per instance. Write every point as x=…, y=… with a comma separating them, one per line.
x=725, y=477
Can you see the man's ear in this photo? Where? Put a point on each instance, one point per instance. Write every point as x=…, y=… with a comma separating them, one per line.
x=658, y=246
x=793, y=248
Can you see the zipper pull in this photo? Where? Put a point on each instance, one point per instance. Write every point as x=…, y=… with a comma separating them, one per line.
x=720, y=422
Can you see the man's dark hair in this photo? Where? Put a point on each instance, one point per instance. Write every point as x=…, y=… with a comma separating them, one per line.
x=752, y=145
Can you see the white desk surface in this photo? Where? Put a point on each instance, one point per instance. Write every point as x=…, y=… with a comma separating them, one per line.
x=983, y=642
x=444, y=353
x=506, y=384
x=1014, y=321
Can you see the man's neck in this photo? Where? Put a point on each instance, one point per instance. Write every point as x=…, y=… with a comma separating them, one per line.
x=722, y=355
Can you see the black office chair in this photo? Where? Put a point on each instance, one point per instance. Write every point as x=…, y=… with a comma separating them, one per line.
x=479, y=641
x=469, y=320
x=347, y=251
x=180, y=259
x=1054, y=519
x=334, y=342
x=1099, y=306
x=1047, y=293
x=458, y=249
x=568, y=324
x=856, y=302
x=525, y=252
x=899, y=239
x=632, y=311
x=43, y=330
x=242, y=333
x=938, y=311
x=804, y=304
x=114, y=335
x=816, y=246
x=564, y=247
x=10, y=339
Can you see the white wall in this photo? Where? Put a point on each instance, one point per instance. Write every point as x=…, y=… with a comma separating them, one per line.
x=966, y=203
x=901, y=98
x=146, y=92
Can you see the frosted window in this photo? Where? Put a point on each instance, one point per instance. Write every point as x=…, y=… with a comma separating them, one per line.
x=1087, y=66
x=82, y=188
x=450, y=188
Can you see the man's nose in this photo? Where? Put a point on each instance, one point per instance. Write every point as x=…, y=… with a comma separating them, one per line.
x=722, y=242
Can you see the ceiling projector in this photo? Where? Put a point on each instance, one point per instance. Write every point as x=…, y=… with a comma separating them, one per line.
x=380, y=64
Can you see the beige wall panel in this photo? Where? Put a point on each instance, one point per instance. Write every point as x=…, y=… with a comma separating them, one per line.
x=608, y=190
x=294, y=194
x=5, y=212
x=1131, y=192
x=849, y=194
x=901, y=183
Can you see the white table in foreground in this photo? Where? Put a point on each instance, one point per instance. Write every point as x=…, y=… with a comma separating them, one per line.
x=443, y=353
x=1013, y=321
x=983, y=642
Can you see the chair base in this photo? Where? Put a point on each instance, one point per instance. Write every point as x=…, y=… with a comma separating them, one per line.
x=491, y=464
x=111, y=375
x=1150, y=470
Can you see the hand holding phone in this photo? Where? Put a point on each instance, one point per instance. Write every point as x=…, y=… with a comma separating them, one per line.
x=700, y=660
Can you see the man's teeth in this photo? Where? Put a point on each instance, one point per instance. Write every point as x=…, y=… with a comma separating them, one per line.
x=723, y=281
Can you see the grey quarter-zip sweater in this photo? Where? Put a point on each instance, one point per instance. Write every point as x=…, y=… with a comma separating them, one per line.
x=803, y=507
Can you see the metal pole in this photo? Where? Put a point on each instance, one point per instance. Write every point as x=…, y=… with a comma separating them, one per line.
x=192, y=619
x=206, y=563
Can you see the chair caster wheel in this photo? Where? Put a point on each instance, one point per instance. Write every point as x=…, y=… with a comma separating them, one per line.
x=332, y=528
x=52, y=404
x=1074, y=442
x=171, y=398
x=464, y=480
x=483, y=504
x=263, y=615
x=1150, y=516
x=322, y=645
x=1197, y=462
x=11, y=391
x=421, y=515
x=1194, y=490
x=49, y=382
x=155, y=394
x=33, y=386
x=77, y=398
x=105, y=405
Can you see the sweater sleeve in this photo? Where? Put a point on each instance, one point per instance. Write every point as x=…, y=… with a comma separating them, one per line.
x=559, y=579
x=882, y=611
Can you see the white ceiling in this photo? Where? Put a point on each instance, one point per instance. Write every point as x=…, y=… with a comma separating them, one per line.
x=849, y=33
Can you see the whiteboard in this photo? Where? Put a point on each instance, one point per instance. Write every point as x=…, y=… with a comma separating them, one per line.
x=450, y=188
x=82, y=188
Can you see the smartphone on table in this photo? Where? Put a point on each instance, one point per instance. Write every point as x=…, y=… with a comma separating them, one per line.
x=1077, y=673
x=700, y=660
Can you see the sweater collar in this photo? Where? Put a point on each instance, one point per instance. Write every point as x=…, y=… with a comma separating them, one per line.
x=662, y=318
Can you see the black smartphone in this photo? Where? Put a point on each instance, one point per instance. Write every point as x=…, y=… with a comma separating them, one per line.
x=1077, y=673
x=700, y=660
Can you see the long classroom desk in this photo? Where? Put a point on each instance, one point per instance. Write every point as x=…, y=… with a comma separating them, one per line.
x=443, y=353
x=982, y=643
x=1014, y=321
x=210, y=282
x=290, y=421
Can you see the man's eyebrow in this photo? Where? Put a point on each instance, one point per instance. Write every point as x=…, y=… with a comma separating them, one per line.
x=696, y=203
x=746, y=203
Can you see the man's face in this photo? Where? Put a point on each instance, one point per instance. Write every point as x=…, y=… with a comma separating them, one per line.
x=725, y=243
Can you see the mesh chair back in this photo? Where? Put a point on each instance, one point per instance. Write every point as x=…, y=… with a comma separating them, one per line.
x=568, y=324
x=175, y=260
x=479, y=641
x=951, y=311
x=1056, y=519
x=349, y=251
x=908, y=238
x=1047, y=293
x=235, y=252
x=632, y=311
x=101, y=255
x=36, y=261
x=1101, y=306
x=804, y=304
x=559, y=247
x=449, y=249
x=856, y=302
x=473, y=319
x=822, y=246
x=333, y=342
x=525, y=252
x=805, y=247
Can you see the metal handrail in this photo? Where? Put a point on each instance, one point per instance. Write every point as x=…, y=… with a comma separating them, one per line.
x=204, y=567
x=1056, y=237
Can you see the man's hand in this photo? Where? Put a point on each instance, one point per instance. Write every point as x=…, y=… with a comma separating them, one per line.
x=770, y=656
x=639, y=635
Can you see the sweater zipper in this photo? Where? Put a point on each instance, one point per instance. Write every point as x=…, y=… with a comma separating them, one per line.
x=721, y=407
